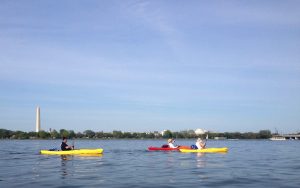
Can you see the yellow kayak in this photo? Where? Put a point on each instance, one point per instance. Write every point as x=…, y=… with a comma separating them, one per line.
x=206, y=150
x=73, y=152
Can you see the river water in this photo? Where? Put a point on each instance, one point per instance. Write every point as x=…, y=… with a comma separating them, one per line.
x=127, y=163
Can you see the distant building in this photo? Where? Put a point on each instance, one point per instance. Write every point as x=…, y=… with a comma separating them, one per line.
x=163, y=132
x=200, y=131
x=38, y=120
x=156, y=133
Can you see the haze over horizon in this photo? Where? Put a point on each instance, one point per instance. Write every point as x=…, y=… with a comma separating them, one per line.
x=150, y=65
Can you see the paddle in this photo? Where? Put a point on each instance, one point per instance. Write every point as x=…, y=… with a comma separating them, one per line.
x=205, y=141
x=73, y=145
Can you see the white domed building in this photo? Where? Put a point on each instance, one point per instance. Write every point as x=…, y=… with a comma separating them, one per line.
x=200, y=131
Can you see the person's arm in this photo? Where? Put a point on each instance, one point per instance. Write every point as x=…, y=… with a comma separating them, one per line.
x=69, y=147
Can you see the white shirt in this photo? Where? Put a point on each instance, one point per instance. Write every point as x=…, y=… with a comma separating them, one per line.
x=198, y=145
x=171, y=145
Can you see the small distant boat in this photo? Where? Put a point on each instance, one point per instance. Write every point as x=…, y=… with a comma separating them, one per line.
x=220, y=138
x=275, y=138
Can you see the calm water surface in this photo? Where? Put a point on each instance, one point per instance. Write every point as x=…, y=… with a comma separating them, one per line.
x=127, y=163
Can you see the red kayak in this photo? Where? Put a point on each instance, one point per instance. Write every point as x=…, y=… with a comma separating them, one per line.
x=167, y=148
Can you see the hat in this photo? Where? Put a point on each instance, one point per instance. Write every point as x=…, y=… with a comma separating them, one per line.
x=170, y=140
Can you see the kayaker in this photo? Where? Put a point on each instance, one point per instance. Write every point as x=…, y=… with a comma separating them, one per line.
x=200, y=143
x=64, y=146
x=171, y=143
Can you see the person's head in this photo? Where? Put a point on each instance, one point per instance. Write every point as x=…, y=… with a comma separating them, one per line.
x=64, y=139
x=170, y=140
x=199, y=140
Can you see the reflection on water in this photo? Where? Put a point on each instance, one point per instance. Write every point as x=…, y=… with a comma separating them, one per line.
x=67, y=162
x=200, y=160
x=199, y=154
x=66, y=157
x=81, y=156
x=64, y=165
x=89, y=156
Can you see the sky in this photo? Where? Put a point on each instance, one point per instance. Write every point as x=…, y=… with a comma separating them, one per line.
x=150, y=65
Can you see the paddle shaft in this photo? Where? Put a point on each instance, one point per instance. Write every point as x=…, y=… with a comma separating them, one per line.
x=73, y=143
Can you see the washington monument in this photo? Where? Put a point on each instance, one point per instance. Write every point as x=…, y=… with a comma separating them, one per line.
x=38, y=120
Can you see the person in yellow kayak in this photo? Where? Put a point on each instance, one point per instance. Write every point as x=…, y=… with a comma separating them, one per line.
x=171, y=143
x=64, y=146
x=200, y=143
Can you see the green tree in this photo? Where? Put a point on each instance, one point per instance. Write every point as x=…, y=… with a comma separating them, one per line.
x=64, y=133
x=107, y=135
x=135, y=135
x=33, y=134
x=99, y=134
x=21, y=135
x=117, y=134
x=150, y=135
x=192, y=134
x=54, y=134
x=127, y=135
x=89, y=133
x=79, y=135
x=72, y=134
x=43, y=134
x=167, y=134
x=265, y=134
x=142, y=135
x=4, y=133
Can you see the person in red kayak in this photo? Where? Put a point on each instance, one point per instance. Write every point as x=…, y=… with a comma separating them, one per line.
x=171, y=143
x=64, y=146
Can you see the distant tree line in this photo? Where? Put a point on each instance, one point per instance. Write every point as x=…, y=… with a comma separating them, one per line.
x=89, y=134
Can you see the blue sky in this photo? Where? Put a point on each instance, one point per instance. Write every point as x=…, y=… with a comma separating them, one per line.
x=150, y=65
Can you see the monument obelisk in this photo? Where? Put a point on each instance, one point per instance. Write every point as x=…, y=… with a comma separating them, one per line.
x=38, y=120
